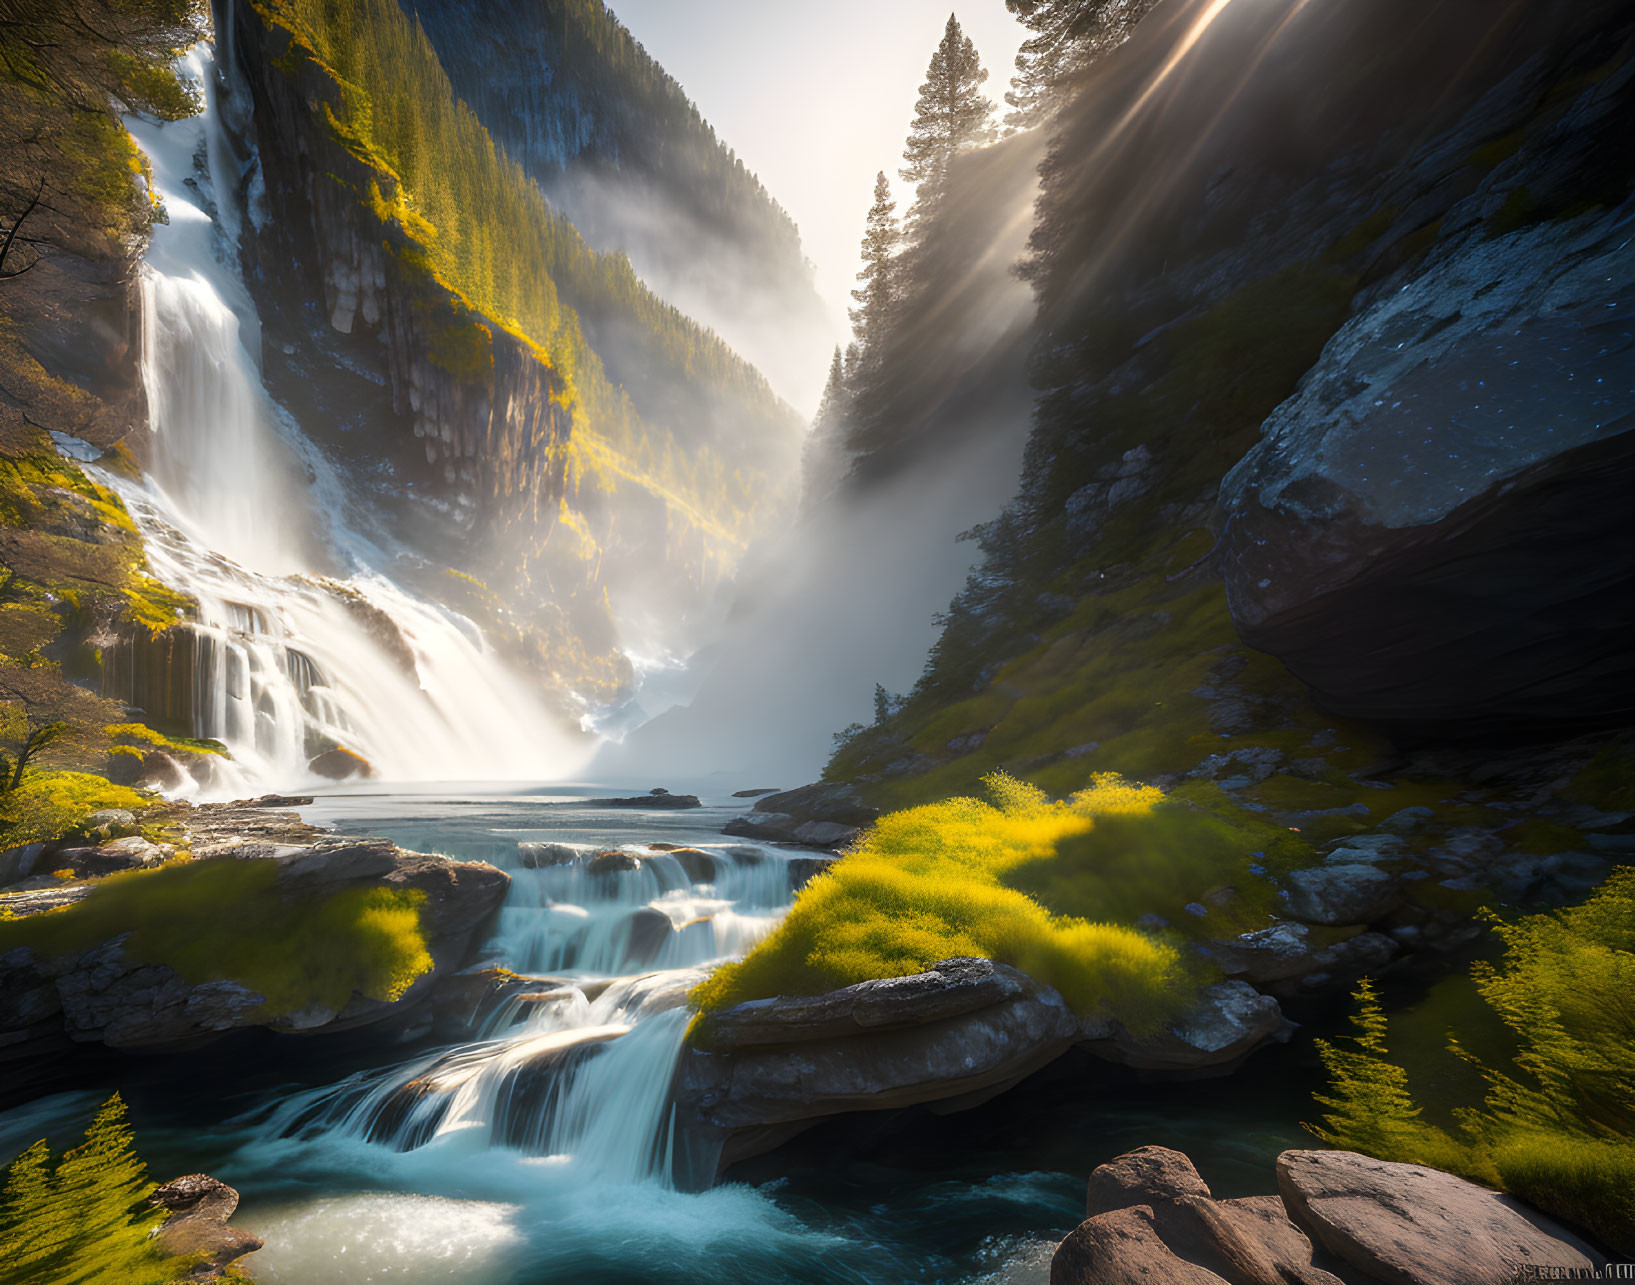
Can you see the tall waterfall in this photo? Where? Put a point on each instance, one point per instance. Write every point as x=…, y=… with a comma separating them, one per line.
x=304, y=642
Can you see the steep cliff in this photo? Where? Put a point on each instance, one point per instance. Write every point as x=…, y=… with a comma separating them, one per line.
x=616, y=145
x=593, y=494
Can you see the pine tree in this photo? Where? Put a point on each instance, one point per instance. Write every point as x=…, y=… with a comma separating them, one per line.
x=1370, y=1108
x=823, y=461
x=878, y=296
x=1067, y=36
x=951, y=114
x=85, y=1223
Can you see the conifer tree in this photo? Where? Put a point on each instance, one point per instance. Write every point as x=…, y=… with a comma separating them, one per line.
x=823, y=461
x=84, y=1223
x=878, y=296
x=951, y=114
x=1370, y=1108
x=1067, y=36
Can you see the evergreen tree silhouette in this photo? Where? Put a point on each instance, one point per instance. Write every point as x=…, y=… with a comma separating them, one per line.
x=950, y=115
x=86, y=1223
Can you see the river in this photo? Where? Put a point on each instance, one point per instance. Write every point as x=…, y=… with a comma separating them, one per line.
x=507, y=1176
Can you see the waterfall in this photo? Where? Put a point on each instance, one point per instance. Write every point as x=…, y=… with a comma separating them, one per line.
x=303, y=642
x=574, y=1067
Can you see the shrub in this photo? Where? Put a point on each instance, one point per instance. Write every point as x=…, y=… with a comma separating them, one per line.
x=231, y=919
x=1558, y=1127
x=933, y=882
x=86, y=1220
x=48, y=805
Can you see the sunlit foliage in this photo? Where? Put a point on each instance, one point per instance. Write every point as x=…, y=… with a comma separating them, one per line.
x=84, y=1220
x=934, y=882
x=234, y=920
x=483, y=228
x=1558, y=1125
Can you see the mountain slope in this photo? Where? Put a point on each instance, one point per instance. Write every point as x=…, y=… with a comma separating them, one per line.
x=615, y=144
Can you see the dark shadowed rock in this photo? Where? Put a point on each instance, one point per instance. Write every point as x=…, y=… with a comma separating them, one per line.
x=828, y=815
x=754, y=794
x=1410, y=1225
x=199, y=1207
x=660, y=801
x=1433, y=531
x=1342, y=894
x=1228, y=1021
x=647, y=933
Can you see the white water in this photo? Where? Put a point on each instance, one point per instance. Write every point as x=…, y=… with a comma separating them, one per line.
x=306, y=644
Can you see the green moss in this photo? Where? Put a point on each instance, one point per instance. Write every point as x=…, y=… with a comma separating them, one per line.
x=50, y=805
x=232, y=919
x=132, y=735
x=941, y=881
x=1607, y=781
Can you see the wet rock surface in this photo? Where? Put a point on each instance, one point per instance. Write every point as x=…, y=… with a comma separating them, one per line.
x=1341, y=1219
x=197, y=1224
x=828, y=816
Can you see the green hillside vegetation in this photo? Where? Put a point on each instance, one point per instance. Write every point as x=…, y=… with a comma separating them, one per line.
x=483, y=228
x=1558, y=1124
x=295, y=951
x=86, y=1218
x=947, y=880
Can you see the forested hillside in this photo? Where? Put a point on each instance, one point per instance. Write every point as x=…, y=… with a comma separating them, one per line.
x=617, y=146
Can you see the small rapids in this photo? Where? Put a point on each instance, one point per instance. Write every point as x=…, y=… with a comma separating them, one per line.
x=302, y=640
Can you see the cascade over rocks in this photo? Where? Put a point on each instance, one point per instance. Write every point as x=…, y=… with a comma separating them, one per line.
x=1341, y=1219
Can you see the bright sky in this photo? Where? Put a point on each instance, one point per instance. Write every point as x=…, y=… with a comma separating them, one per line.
x=816, y=96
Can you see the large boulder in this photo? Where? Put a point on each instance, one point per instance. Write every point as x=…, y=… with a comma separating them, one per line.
x=955, y=1035
x=1403, y=1224
x=1152, y=1219
x=1433, y=532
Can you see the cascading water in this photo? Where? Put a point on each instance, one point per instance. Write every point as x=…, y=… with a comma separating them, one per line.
x=302, y=645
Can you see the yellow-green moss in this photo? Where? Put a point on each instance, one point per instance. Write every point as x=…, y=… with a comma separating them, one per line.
x=232, y=920
x=940, y=881
x=132, y=735
x=49, y=805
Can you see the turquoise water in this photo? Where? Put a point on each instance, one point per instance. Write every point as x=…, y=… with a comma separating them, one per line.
x=981, y=1196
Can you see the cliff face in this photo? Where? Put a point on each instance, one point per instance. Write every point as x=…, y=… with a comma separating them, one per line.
x=458, y=431
x=615, y=144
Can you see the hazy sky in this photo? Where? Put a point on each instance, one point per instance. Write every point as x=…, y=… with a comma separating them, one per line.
x=816, y=96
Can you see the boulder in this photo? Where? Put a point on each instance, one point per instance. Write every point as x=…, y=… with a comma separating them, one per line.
x=1265, y=955
x=1433, y=530
x=340, y=764
x=647, y=933
x=1352, y=893
x=1145, y=1176
x=612, y=863
x=951, y=1037
x=754, y=794
x=698, y=865
x=196, y=1224
x=130, y=853
x=828, y=815
x=1229, y=1021
x=1152, y=1219
x=538, y=856
x=1403, y=1224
